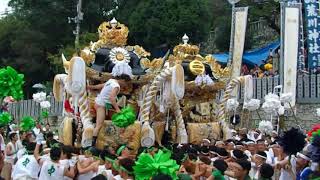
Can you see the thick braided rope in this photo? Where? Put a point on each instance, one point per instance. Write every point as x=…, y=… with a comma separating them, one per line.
x=181, y=128
x=227, y=94
x=152, y=92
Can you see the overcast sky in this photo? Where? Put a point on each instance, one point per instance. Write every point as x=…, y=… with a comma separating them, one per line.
x=3, y=5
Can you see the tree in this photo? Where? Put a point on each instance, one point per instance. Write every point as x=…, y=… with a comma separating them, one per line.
x=153, y=23
x=268, y=10
x=22, y=49
x=33, y=37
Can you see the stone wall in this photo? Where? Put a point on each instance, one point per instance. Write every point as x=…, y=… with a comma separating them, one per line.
x=305, y=114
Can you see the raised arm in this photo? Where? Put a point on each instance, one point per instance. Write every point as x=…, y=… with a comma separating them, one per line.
x=83, y=170
x=96, y=87
x=69, y=172
x=36, y=151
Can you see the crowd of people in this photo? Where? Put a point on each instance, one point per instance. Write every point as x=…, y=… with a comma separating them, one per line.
x=259, y=72
x=248, y=155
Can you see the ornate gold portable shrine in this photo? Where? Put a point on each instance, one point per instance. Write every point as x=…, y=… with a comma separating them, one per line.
x=167, y=92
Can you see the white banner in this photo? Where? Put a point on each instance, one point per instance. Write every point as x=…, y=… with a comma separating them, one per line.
x=291, y=36
x=240, y=24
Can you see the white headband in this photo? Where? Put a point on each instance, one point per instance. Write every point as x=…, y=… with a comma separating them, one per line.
x=303, y=156
x=263, y=157
x=249, y=142
x=237, y=146
x=220, y=142
x=207, y=140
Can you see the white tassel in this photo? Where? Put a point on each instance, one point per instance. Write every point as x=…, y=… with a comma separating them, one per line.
x=281, y=110
x=271, y=96
x=318, y=112
x=232, y=104
x=271, y=106
x=121, y=68
x=252, y=104
x=198, y=80
x=266, y=127
x=208, y=80
x=272, y=103
x=203, y=80
x=286, y=97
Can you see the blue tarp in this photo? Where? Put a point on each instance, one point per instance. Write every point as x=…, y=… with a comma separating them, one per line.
x=256, y=56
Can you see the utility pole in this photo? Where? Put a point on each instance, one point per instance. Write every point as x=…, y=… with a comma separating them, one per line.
x=77, y=21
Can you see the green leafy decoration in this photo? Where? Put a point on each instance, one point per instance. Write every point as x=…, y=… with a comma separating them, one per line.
x=11, y=83
x=148, y=166
x=5, y=118
x=45, y=113
x=125, y=118
x=27, y=123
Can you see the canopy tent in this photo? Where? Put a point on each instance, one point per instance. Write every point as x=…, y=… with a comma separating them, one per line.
x=256, y=56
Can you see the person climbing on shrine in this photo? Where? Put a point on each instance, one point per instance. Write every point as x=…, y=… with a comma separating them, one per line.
x=106, y=99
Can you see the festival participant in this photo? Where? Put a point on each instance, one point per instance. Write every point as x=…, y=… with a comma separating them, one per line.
x=124, y=151
x=303, y=161
x=106, y=168
x=206, y=142
x=219, y=168
x=87, y=165
x=66, y=159
x=10, y=155
x=243, y=134
x=2, y=148
x=236, y=155
x=188, y=164
x=239, y=170
x=107, y=99
x=250, y=148
x=126, y=168
x=15, y=129
x=222, y=153
x=220, y=144
x=200, y=170
x=51, y=169
x=205, y=167
x=27, y=166
x=50, y=141
x=204, y=151
x=257, y=160
x=240, y=146
x=287, y=170
x=229, y=145
x=261, y=145
x=266, y=172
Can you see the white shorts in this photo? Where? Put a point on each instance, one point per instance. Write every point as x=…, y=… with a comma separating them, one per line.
x=100, y=102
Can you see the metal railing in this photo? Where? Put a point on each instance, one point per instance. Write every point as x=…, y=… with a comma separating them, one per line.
x=308, y=88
